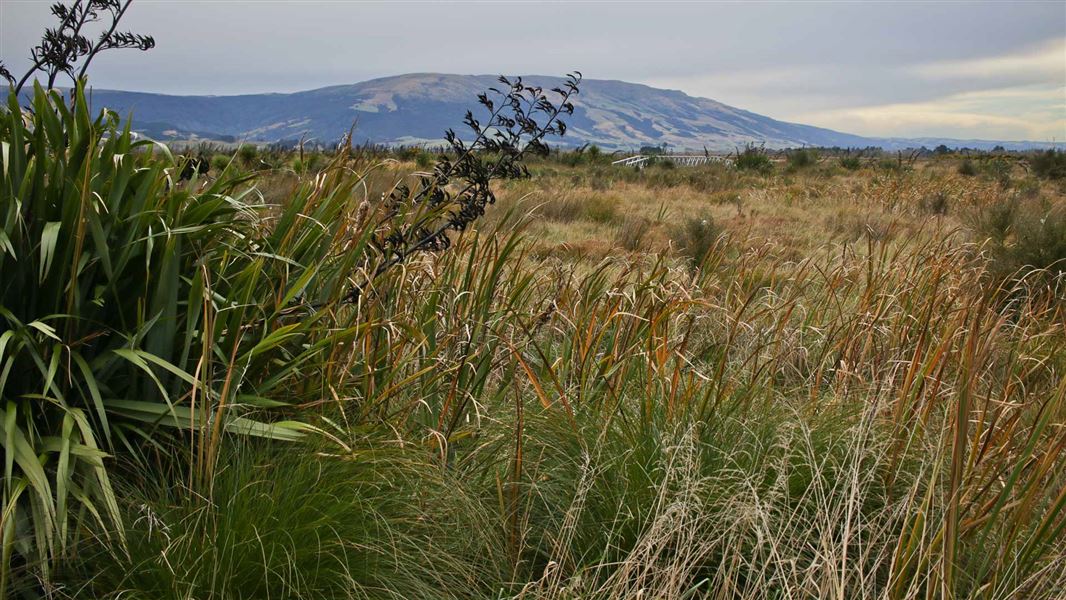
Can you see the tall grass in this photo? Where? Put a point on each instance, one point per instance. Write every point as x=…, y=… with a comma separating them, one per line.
x=857, y=426
x=873, y=421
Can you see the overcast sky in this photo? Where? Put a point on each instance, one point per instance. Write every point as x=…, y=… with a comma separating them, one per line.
x=992, y=70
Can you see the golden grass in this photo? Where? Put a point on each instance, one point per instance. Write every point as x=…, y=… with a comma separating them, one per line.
x=798, y=214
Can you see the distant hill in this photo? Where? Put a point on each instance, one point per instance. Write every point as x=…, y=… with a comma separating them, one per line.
x=417, y=108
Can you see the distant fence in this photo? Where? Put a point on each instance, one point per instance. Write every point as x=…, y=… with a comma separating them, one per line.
x=640, y=161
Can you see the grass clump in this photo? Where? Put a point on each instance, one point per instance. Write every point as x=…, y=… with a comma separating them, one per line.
x=595, y=208
x=696, y=238
x=632, y=231
x=288, y=522
x=938, y=203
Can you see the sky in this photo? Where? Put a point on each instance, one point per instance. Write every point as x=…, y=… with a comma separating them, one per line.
x=983, y=70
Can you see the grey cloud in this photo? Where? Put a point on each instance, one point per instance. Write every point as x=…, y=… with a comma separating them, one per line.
x=780, y=58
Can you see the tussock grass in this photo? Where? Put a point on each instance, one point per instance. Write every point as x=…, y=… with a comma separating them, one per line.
x=768, y=413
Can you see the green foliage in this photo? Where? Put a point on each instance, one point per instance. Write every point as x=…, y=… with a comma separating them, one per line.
x=247, y=153
x=424, y=160
x=599, y=209
x=285, y=522
x=1024, y=235
x=1028, y=188
x=589, y=154
x=122, y=295
x=1050, y=164
x=998, y=169
x=753, y=158
x=851, y=163
x=890, y=164
x=1040, y=240
x=219, y=163
x=967, y=168
x=802, y=158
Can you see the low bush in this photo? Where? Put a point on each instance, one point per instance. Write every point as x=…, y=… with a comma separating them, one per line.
x=248, y=154
x=851, y=163
x=424, y=160
x=1050, y=164
x=219, y=163
x=894, y=165
x=753, y=158
x=1028, y=188
x=802, y=158
x=600, y=208
x=1023, y=235
x=999, y=170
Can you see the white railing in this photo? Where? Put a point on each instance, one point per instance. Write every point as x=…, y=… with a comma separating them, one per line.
x=640, y=161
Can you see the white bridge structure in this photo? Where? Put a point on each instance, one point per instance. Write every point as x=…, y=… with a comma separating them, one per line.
x=640, y=161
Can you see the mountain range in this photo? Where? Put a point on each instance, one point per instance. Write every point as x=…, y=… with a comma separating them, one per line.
x=417, y=109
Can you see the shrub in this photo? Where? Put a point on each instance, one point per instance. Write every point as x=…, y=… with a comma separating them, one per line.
x=1023, y=235
x=1029, y=188
x=998, y=169
x=424, y=160
x=219, y=162
x=967, y=168
x=1050, y=164
x=753, y=158
x=247, y=153
x=890, y=164
x=995, y=221
x=802, y=158
x=1040, y=239
x=851, y=163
